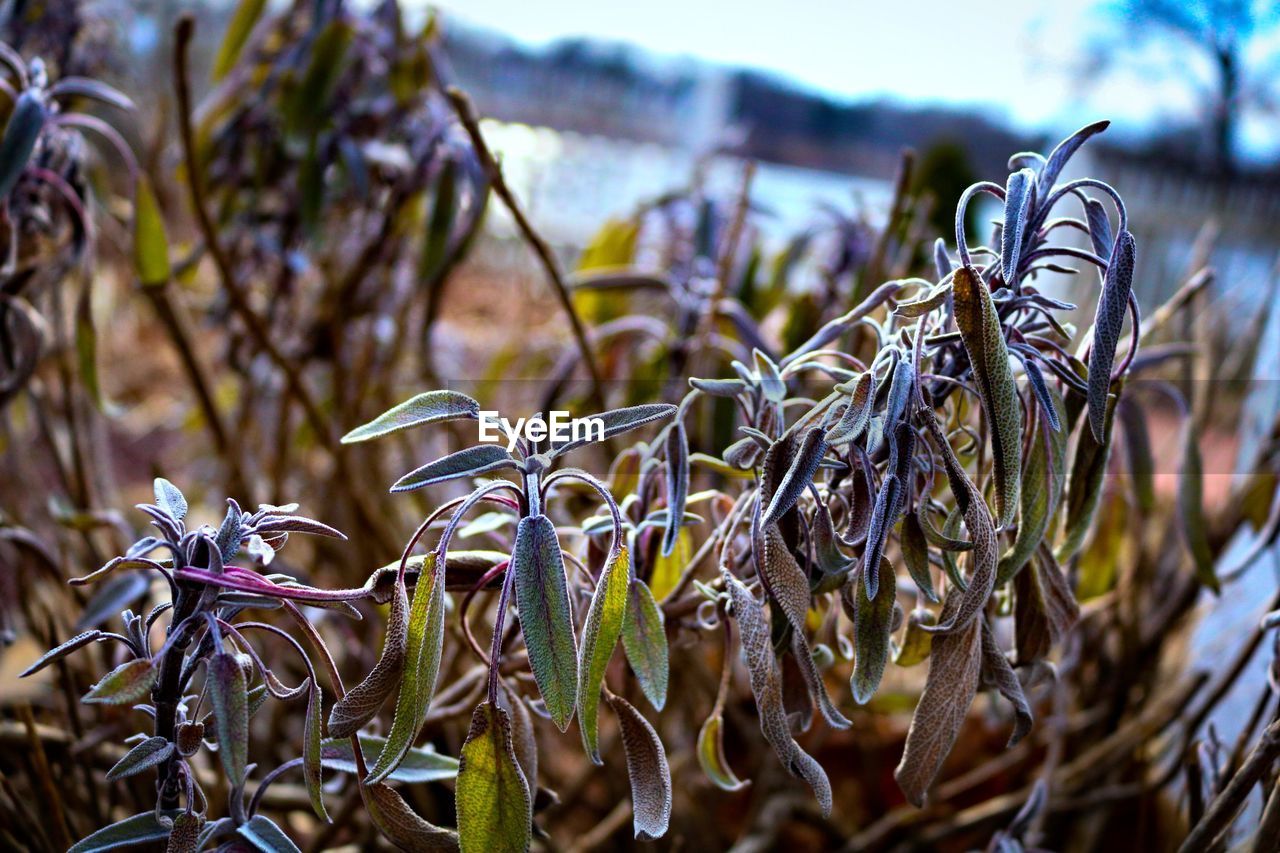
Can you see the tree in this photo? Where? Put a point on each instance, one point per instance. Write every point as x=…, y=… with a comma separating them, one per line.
x=1224, y=32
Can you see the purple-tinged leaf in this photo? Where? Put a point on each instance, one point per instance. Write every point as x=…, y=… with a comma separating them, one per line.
x=362, y=702
x=799, y=474
x=312, y=762
x=618, y=421
x=124, y=685
x=1108, y=323
x=273, y=524
x=229, y=696
x=677, y=449
x=872, y=626
x=170, y=499
x=1099, y=227
x=402, y=826
x=62, y=650
x=941, y=260
x=546, y=615
x=997, y=673
x=1017, y=200
x=1061, y=154
x=719, y=387
x=857, y=414
x=19, y=140
x=647, y=769
x=140, y=829
x=915, y=553
x=1044, y=608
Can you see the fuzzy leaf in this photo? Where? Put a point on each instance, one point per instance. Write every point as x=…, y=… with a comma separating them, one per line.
x=1099, y=227
x=147, y=754
x=799, y=474
x=170, y=499
x=546, y=616
x=1108, y=323
x=399, y=823
x=1085, y=485
x=647, y=768
x=857, y=414
x=600, y=634
x=915, y=553
x=139, y=829
x=150, y=242
x=644, y=639
x=954, y=667
x=19, y=140
x=916, y=644
x=229, y=696
x=872, y=626
x=362, y=702
x=495, y=811
x=997, y=673
x=712, y=758
x=470, y=462
x=1017, y=200
x=1062, y=153
x=618, y=421
x=263, y=834
x=677, y=447
x=124, y=685
x=1044, y=608
x=984, y=341
x=77, y=642
x=422, y=665
x=427, y=408
x=1043, y=476
x=766, y=685
x=419, y=765
x=312, y=751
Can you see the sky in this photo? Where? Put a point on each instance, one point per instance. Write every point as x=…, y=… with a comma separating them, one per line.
x=1019, y=59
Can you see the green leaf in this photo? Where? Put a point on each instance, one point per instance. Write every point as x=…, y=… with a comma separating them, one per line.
x=312, y=762
x=1108, y=323
x=915, y=553
x=362, y=702
x=494, y=806
x=546, y=616
x=644, y=639
x=147, y=754
x=916, y=643
x=77, y=642
x=766, y=685
x=308, y=109
x=872, y=626
x=712, y=758
x=428, y=408
x=444, y=207
x=242, y=22
x=984, y=341
x=124, y=685
x=150, y=242
x=422, y=665
x=139, y=829
x=87, y=348
x=229, y=696
x=647, y=769
x=419, y=765
x=263, y=834
x=600, y=634
x=954, y=667
x=1195, y=529
x=470, y=462
x=1084, y=485
x=1043, y=476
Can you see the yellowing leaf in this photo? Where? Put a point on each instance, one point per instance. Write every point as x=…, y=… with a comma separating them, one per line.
x=711, y=755
x=600, y=634
x=644, y=639
x=495, y=812
x=150, y=242
x=233, y=42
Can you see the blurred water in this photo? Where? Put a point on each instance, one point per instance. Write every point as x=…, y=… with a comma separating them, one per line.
x=571, y=183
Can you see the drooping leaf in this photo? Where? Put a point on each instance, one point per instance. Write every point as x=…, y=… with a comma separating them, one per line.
x=766, y=686
x=857, y=414
x=667, y=568
x=145, y=755
x=229, y=696
x=1194, y=527
x=644, y=639
x=400, y=824
x=150, y=242
x=495, y=811
x=600, y=634
x=799, y=474
x=826, y=545
x=139, y=829
x=872, y=625
x=984, y=341
x=677, y=448
x=997, y=673
x=1043, y=476
x=471, y=462
x=264, y=834
x=313, y=751
x=919, y=307
x=712, y=758
x=915, y=553
x=1018, y=191
x=1099, y=228
x=1084, y=485
x=1044, y=608
x=242, y=22
x=546, y=616
x=362, y=702
x=124, y=685
x=647, y=769
x=1117, y=285
x=20, y=134
x=954, y=667
x=422, y=664
x=427, y=408
x=1137, y=447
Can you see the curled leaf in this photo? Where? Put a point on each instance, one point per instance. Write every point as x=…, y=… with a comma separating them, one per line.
x=916, y=644
x=362, y=702
x=399, y=823
x=647, y=769
x=711, y=755
x=1017, y=199
x=997, y=673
